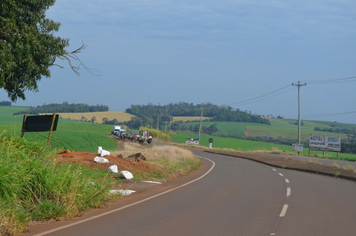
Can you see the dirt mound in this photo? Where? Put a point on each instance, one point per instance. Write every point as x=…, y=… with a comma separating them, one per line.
x=87, y=158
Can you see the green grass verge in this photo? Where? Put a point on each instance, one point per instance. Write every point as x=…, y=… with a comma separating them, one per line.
x=246, y=145
x=34, y=187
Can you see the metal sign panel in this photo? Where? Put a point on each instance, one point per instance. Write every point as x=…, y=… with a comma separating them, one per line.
x=297, y=147
x=39, y=123
x=324, y=143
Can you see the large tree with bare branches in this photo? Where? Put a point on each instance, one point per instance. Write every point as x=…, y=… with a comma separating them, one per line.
x=28, y=46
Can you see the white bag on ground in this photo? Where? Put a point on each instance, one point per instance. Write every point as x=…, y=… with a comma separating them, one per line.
x=122, y=192
x=104, y=153
x=114, y=169
x=101, y=160
x=99, y=149
x=126, y=175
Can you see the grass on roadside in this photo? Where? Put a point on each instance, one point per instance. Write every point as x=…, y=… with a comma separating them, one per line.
x=169, y=158
x=34, y=187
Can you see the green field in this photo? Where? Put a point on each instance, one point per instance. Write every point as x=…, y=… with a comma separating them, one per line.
x=250, y=146
x=279, y=128
x=70, y=134
x=85, y=136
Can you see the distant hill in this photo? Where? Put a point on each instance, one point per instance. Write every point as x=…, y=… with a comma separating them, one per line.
x=150, y=113
x=62, y=108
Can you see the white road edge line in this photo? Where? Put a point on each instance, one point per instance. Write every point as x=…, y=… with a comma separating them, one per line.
x=280, y=174
x=287, y=181
x=127, y=206
x=284, y=210
x=289, y=192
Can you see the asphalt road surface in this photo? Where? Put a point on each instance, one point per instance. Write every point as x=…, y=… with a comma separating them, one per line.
x=235, y=197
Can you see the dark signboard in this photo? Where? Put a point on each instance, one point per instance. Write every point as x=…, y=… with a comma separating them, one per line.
x=39, y=123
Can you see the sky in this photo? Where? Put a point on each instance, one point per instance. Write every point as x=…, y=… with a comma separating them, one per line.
x=242, y=53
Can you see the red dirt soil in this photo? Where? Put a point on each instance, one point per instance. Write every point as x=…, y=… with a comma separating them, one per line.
x=87, y=158
x=143, y=168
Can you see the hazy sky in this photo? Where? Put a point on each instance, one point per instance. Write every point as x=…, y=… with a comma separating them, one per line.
x=198, y=51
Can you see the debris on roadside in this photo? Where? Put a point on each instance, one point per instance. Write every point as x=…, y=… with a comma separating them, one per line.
x=122, y=192
x=137, y=157
x=113, y=169
x=126, y=174
x=101, y=160
x=152, y=182
x=103, y=152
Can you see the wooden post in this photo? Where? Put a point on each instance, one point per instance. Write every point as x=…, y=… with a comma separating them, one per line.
x=50, y=132
x=23, y=130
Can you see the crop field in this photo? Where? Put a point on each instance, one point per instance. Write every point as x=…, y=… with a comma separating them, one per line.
x=278, y=128
x=7, y=117
x=70, y=134
x=120, y=116
x=236, y=144
x=250, y=146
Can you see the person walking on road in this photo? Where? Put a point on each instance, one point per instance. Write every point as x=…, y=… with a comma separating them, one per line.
x=210, y=143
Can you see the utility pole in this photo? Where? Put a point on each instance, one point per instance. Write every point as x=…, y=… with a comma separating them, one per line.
x=201, y=117
x=158, y=122
x=299, y=85
x=159, y=104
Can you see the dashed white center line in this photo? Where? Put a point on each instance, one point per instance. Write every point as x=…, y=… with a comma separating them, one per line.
x=287, y=181
x=274, y=169
x=280, y=174
x=289, y=191
x=284, y=210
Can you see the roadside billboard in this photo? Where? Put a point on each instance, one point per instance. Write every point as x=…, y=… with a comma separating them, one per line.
x=41, y=123
x=324, y=143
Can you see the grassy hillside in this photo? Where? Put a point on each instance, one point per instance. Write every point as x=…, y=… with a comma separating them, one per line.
x=70, y=134
x=246, y=145
x=6, y=116
x=84, y=136
x=278, y=128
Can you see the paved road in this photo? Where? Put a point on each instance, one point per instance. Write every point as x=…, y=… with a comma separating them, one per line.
x=237, y=197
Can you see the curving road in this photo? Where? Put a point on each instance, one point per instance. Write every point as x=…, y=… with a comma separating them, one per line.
x=235, y=197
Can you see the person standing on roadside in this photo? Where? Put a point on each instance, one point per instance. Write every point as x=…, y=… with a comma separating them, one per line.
x=211, y=143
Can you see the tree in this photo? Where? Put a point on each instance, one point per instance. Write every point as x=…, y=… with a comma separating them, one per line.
x=5, y=103
x=28, y=46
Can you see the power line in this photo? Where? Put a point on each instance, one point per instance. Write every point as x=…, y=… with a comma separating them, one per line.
x=259, y=97
x=333, y=81
x=268, y=97
x=332, y=114
x=324, y=115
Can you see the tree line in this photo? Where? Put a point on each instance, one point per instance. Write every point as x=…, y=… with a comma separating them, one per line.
x=5, y=103
x=337, y=130
x=151, y=113
x=65, y=107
